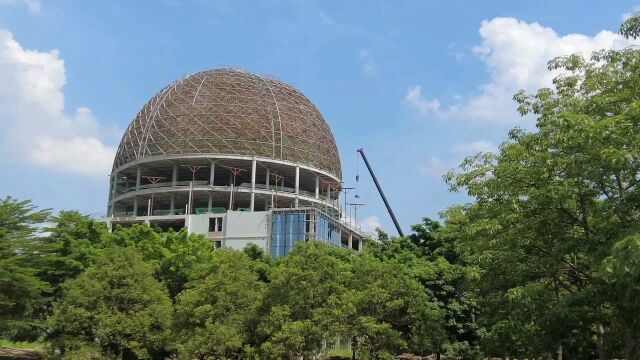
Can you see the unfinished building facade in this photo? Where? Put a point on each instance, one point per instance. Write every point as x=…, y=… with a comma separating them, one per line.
x=235, y=156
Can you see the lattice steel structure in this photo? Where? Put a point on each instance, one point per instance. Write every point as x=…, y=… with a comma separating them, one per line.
x=251, y=142
x=237, y=157
x=227, y=111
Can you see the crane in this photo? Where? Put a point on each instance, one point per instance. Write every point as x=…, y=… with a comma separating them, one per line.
x=384, y=198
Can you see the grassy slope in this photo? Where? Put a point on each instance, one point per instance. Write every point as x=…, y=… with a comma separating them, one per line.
x=22, y=345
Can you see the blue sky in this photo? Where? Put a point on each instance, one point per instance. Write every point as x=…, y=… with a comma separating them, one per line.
x=418, y=84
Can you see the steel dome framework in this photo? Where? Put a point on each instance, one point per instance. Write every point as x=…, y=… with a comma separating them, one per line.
x=236, y=157
x=229, y=139
x=227, y=111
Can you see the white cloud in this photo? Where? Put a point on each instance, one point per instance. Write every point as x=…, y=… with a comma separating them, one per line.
x=455, y=53
x=335, y=25
x=475, y=147
x=369, y=67
x=634, y=11
x=435, y=168
x=81, y=155
x=415, y=100
x=34, y=6
x=370, y=223
x=34, y=125
x=515, y=54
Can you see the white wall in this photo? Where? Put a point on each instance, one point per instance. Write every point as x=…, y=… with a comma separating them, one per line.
x=198, y=224
x=243, y=227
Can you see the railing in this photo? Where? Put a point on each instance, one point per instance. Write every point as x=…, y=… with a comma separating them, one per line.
x=123, y=190
x=120, y=190
x=158, y=212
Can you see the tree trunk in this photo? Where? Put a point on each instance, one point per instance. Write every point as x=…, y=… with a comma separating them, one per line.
x=602, y=355
x=438, y=356
x=354, y=344
x=631, y=345
x=559, y=352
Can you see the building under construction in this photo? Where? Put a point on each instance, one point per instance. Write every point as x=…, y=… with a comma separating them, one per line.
x=237, y=157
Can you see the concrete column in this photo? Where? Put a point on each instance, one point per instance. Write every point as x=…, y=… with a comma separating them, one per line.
x=172, y=205
x=267, y=179
x=230, y=192
x=312, y=226
x=317, y=187
x=253, y=183
x=135, y=206
x=297, y=184
x=210, y=202
x=212, y=173
x=138, y=178
x=360, y=245
x=114, y=185
x=174, y=176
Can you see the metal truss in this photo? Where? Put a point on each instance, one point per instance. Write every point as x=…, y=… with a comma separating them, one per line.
x=227, y=111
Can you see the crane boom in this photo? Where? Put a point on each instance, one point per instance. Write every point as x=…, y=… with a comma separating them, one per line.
x=384, y=198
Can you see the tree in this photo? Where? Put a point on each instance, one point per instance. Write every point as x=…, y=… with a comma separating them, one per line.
x=187, y=257
x=22, y=293
x=215, y=315
x=261, y=263
x=453, y=330
x=386, y=311
x=116, y=305
x=294, y=322
x=176, y=257
x=70, y=247
x=622, y=273
x=551, y=207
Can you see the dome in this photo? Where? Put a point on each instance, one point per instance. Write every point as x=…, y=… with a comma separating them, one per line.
x=231, y=112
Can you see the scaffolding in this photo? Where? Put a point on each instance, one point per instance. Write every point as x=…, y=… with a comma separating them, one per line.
x=227, y=111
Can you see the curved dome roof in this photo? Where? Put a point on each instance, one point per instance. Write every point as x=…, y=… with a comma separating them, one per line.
x=226, y=111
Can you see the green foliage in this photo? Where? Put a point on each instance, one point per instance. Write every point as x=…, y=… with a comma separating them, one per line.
x=261, y=262
x=552, y=231
x=87, y=352
x=23, y=344
x=71, y=246
x=631, y=27
x=116, y=305
x=295, y=321
x=22, y=292
x=430, y=256
x=386, y=309
x=547, y=258
x=339, y=352
x=215, y=314
x=113, y=293
x=176, y=257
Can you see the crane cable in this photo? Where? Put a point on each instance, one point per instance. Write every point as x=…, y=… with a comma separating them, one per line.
x=357, y=194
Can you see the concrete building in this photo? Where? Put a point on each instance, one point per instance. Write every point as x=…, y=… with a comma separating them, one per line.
x=237, y=157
